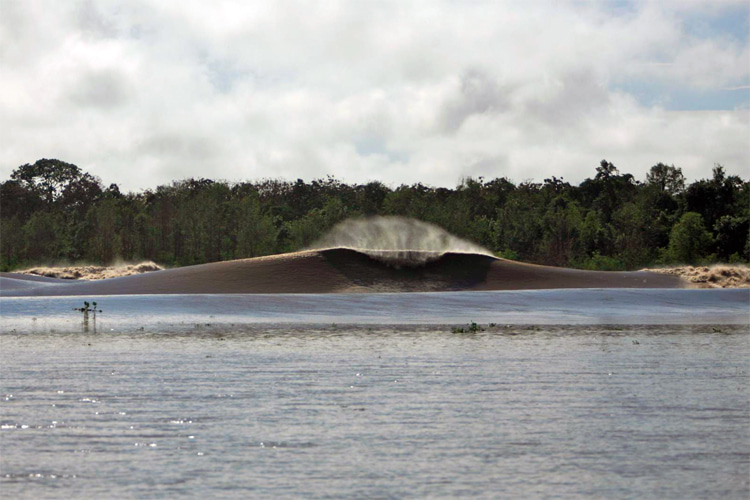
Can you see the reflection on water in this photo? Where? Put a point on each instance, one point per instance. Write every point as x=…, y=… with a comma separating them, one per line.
x=173, y=313
x=377, y=411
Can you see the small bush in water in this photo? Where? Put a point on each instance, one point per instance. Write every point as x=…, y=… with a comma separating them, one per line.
x=471, y=328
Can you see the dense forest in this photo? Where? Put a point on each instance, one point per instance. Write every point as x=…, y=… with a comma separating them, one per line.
x=52, y=211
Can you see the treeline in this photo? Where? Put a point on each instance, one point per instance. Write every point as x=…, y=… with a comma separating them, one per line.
x=52, y=211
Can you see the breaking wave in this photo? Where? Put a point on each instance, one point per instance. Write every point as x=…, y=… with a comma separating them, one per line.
x=398, y=241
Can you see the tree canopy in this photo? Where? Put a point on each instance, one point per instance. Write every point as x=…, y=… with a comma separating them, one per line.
x=52, y=211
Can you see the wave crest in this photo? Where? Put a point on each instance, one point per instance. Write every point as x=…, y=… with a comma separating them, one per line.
x=398, y=241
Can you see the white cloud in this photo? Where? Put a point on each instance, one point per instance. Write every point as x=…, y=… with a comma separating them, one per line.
x=141, y=93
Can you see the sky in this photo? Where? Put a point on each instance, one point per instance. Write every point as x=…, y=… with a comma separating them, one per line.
x=141, y=93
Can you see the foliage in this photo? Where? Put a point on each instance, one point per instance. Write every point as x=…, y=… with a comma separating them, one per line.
x=668, y=179
x=598, y=262
x=53, y=211
x=689, y=239
x=473, y=327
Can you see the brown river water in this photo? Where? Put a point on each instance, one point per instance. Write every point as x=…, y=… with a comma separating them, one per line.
x=241, y=401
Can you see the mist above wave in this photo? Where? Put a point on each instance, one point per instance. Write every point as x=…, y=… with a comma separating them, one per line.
x=396, y=240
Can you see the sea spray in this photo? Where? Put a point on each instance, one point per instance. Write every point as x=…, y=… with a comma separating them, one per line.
x=399, y=241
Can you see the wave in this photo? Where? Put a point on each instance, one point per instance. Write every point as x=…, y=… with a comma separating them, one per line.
x=92, y=272
x=395, y=237
x=714, y=276
x=345, y=270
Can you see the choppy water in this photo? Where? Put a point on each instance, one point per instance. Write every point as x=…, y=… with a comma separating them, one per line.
x=373, y=411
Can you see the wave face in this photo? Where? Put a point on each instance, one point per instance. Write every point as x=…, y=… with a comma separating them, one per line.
x=409, y=272
x=341, y=270
x=398, y=241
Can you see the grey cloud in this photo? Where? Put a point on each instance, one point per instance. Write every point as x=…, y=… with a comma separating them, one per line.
x=363, y=90
x=91, y=21
x=175, y=147
x=21, y=42
x=478, y=93
x=489, y=165
x=14, y=22
x=101, y=89
x=572, y=96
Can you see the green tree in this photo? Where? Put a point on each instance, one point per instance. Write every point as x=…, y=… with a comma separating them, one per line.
x=11, y=243
x=17, y=200
x=256, y=232
x=45, y=237
x=54, y=179
x=731, y=236
x=302, y=232
x=372, y=195
x=104, y=242
x=715, y=197
x=689, y=240
x=633, y=228
x=667, y=178
x=520, y=227
x=53, y=210
x=562, y=224
x=596, y=236
x=607, y=191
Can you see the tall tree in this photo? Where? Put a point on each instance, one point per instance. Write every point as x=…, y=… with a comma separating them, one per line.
x=52, y=179
x=667, y=178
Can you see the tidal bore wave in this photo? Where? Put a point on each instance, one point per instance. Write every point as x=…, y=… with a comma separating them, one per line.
x=343, y=270
x=398, y=241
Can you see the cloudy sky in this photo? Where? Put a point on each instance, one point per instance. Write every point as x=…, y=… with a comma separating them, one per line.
x=144, y=92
